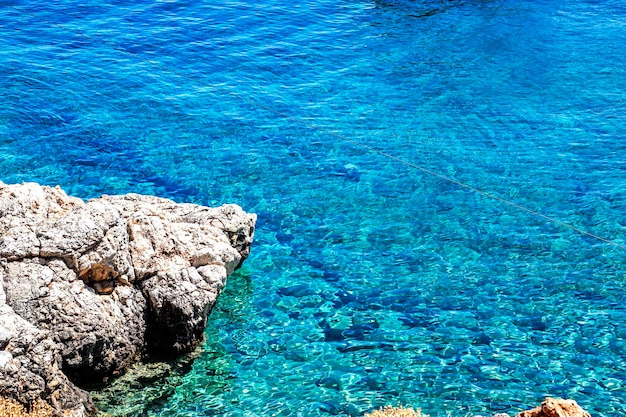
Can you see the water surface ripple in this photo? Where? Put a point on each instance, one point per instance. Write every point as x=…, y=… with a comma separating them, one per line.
x=370, y=282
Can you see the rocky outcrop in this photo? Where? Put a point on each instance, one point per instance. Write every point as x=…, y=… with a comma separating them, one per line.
x=85, y=287
x=556, y=407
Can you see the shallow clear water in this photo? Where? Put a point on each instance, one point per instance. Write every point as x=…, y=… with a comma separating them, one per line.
x=371, y=281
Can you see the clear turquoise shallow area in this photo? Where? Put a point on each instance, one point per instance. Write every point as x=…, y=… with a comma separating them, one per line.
x=371, y=282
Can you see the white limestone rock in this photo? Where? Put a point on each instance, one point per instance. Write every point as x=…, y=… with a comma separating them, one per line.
x=102, y=281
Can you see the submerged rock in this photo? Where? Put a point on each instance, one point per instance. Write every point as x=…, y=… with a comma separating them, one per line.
x=85, y=287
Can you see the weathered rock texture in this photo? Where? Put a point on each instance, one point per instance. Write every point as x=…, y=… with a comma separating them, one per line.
x=87, y=286
x=556, y=407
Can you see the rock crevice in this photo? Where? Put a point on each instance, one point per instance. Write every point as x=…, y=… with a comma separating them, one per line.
x=85, y=287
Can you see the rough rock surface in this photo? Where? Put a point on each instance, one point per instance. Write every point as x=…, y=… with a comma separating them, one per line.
x=87, y=286
x=29, y=367
x=556, y=407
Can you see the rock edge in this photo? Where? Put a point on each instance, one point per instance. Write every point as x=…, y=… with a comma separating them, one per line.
x=86, y=287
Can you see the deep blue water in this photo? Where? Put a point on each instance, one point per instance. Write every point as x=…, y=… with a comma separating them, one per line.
x=371, y=282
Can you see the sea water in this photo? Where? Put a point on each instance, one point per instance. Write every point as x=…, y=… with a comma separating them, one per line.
x=349, y=126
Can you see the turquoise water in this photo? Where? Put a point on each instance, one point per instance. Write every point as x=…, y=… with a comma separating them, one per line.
x=371, y=282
